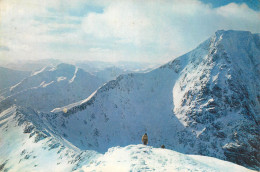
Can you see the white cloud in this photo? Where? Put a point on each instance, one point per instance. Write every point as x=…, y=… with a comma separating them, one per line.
x=174, y=27
x=125, y=30
x=121, y=20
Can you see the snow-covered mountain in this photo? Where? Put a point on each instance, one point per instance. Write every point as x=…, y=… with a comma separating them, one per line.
x=51, y=87
x=205, y=102
x=28, y=143
x=9, y=77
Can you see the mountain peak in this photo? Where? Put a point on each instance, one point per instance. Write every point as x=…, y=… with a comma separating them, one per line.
x=232, y=32
x=64, y=66
x=234, y=40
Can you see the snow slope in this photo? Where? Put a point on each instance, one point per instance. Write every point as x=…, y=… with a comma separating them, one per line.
x=28, y=143
x=205, y=102
x=51, y=87
x=147, y=158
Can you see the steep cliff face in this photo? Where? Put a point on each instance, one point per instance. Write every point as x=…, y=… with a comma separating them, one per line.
x=223, y=100
x=204, y=102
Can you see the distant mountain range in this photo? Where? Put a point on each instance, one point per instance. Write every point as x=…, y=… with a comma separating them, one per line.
x=51, y=87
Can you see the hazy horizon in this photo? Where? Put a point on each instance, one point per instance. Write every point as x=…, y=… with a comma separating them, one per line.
x=112, y=31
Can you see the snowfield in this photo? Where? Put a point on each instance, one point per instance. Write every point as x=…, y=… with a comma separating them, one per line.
x=146, y=158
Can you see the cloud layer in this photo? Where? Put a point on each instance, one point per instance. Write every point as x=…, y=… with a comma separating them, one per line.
x=131, y=30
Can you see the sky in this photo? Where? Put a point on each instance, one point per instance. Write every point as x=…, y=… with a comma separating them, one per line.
x=131, y=30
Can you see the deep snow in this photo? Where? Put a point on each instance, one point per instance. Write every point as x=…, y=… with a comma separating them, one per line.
x=146, y=158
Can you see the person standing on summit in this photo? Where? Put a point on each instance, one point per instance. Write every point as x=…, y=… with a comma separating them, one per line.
x=145, y=139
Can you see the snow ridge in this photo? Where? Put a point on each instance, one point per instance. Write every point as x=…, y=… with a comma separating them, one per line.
x=147, y=158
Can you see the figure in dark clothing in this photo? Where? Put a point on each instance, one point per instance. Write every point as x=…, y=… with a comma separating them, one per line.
x=162, y=146
x=145, y=139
